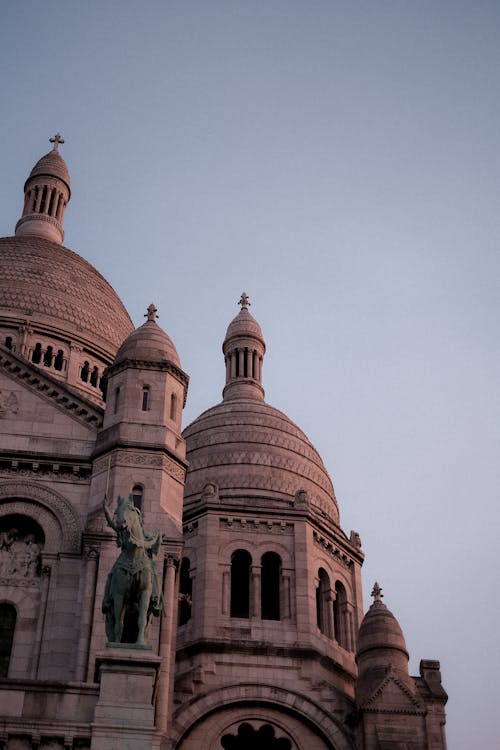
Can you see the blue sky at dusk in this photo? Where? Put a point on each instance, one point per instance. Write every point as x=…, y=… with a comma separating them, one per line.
x=339, y=162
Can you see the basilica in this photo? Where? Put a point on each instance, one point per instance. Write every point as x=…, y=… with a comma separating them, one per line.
x=167, y=587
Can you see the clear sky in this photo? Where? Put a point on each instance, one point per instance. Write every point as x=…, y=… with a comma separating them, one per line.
x=340, y=162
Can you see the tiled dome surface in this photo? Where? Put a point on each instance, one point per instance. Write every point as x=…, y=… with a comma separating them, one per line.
x=380, y=630
x=148, y=342
x=250, y=449
x=48, y=283
x=51, y=164
x=244, y=324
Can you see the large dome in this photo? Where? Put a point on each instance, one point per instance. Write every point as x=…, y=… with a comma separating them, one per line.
x=251, y=451
x=46, y=284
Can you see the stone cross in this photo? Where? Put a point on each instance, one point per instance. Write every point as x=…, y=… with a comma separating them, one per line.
x=56, y=140
x=244, y=301
x=377, y=593
x=151, y=313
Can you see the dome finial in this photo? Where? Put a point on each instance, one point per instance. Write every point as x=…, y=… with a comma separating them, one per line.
x=377, y=592
x=151, y=313
x=244, y=301
x=56, y=140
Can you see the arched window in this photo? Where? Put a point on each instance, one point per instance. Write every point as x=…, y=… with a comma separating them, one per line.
x=37, y=354
x=270, y=586
x=94, y=377
x=247, y=737
x=7, y=627
x=137, y=495
x=340, y=616
x=173, y=406
x=185, y=591
x=47, y=357
x=117, y=400
x=8, y=342
x=145, y=398
x=103, y=385
x=241, y=563
x=85, y=371
x=322, y=599
x=59, y=360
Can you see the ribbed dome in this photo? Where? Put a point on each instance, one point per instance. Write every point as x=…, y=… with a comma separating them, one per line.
x=52, y=164
x=251, y=450
x=244, y=324
x=380, y=630
x=53, y=287
x=381, y=649
x=148, y=343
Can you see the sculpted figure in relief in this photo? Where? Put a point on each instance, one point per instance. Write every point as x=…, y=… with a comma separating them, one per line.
x=132, y=583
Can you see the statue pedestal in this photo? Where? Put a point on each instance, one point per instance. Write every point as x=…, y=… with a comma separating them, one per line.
x=124, y=717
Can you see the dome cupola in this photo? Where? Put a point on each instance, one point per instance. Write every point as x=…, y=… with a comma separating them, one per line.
x=244, y=349
x=381, y=647
x=148, y=343
x=250, y=450
x=46, y=194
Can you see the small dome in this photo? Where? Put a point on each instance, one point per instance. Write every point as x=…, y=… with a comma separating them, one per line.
x=243, y=325
x=148, y=343
x=52, y=165
x=380, y=639
x=381, y=649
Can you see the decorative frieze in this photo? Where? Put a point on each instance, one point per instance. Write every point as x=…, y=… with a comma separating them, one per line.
x=256, y=525
x=141, y=459
x=332, y=549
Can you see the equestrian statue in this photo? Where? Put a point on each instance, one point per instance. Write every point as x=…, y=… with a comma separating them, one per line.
x=132, y=586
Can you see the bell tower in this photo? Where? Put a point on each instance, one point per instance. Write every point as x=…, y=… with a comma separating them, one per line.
x=46, y=194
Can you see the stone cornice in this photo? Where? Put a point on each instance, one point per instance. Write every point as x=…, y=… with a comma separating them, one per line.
x=51, y=389
x=144, y=364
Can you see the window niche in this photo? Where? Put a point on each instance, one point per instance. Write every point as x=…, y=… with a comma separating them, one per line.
x=185, y=591
x=241, y=563
x=146, y=398
x=323, y=600
x=137, y=495
x=8, y=616
x=270, y=586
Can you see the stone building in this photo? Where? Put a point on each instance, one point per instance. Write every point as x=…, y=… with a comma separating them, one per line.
x=261, y=640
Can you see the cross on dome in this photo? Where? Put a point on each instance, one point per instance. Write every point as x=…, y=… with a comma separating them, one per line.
x=151, y=313
x=56, y=140
x=244, y=301
x=377, y=593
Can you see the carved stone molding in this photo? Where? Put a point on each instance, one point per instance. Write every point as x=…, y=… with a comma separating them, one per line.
x=138, y=458
x=332, y=550
x=51, y=510
x=256, y=525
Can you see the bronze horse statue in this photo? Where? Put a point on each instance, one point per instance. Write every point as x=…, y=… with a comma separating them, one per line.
x=132, y=582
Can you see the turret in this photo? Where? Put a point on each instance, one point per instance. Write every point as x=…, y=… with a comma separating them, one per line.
x=244, y=349
x=46, y=194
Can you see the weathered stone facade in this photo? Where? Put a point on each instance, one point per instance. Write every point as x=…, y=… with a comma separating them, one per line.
x=261, y=640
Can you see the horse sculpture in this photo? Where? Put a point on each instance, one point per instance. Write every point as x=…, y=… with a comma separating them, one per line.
x=132, y=583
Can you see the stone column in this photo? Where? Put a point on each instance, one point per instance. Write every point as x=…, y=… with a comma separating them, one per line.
x=37, y=646
x=92, y=555
x=249, y=363
x=255, y=589
x=285, y=609
x=329, y=626
x=167, y=644
x=226, y=590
